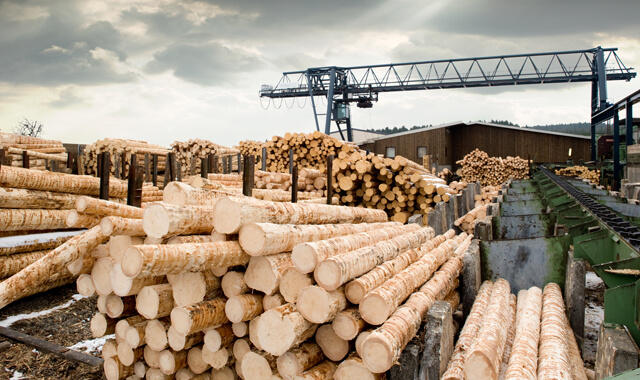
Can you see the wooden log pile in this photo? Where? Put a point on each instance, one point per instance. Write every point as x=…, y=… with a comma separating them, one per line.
x=509, y=337
x=308, y=180
x=397, y=185
x=121, y=150
x=257, y=289
x=40, y=151
x=309, y=150
x=583, y=172
x=477, y=166
x=487, y=193
x=251, y=148
x=468, y=221
x=190, y=153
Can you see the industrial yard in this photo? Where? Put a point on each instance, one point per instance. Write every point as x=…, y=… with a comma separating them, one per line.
x=135, y=244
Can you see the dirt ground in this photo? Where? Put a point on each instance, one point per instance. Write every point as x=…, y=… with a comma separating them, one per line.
x=66, y=327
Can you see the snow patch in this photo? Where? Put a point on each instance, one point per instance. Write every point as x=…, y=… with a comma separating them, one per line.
x=16, y=241
x=592, y=281
x=14, y=318
x=17, y=375
x=91, y=345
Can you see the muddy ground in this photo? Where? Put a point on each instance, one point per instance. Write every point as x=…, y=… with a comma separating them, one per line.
x=66, y=327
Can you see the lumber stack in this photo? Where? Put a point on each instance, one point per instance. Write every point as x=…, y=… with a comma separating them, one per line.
x=40, y=151
x=477, y=166
x=583, y=172
x=121, y=150
x=251, y=148
x=509, y=337
x=255, y=289
x=189, y=154
x=397, y=185
x=468, y=221
x=487, y=193
x=308, y=180
x=309, y=150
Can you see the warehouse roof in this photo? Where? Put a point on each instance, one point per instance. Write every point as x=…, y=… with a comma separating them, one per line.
x=460, y=123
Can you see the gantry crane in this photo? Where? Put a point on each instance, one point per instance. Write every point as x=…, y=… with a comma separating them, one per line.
x=362, y=84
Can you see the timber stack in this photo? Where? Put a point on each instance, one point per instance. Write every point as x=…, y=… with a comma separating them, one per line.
x=40, y=151
x=477, y=166
x=120, y=151
x=487, y=193
x=251, y=148
x=190, y=153
x=235, y=286
x=509, y=337
x=582, y=172
x=309, y=150
x=468, y=221
x=397, y=185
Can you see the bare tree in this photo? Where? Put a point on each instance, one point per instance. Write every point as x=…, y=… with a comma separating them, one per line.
x=28, y=127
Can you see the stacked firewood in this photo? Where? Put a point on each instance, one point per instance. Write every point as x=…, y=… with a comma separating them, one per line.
x=509, y=337
x=583, y=172
x=39, y=151
x=468, y=221
x=251, y=148
x=190, y=153
x=477, y=166
x=309, y=150
x=120, y=151
x=398, y=186
x=222, y=286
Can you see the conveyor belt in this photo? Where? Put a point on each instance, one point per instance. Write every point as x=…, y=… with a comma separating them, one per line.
x=627, y=231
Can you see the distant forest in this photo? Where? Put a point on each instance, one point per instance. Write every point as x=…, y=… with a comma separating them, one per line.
x=572, y=128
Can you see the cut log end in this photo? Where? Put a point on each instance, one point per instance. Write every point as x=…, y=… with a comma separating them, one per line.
x=355, y=292
x=155, y=335
x=155, y=222
x=132, y=262
x=84, y=285
x=377, y=354
x=292, y=282
x=477, y=366
x=333, y=347
x=304, y=258
x=314, y=304
x=345, y=327
x=227, y=216
x=255, y=366
x=240, y=329
x=98, y=325
x=252, y=239
x=181, y=320
x=112, y=369
x=327, y=275
x=374, y=309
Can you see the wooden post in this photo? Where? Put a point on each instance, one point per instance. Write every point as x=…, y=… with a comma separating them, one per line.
x=99, y=167
x=330, y=179
x=147, y=167
x=294, y=183
x=53, y=165
x=192, y=166
x=123, y=159
x=225, y=166
x=264, y=159
x=210, y=160
x=116, y=166
x=291, y=161
x=230, y=163
x=131, y=180
x=1, y=157
x=214, y=167
x=169, y=169
x=80, y=160
x=154, y=169
x=177, y=169
x=105, y=169
x=204, y=169
x=248, y=176
x=25, y=159
x=239, y=163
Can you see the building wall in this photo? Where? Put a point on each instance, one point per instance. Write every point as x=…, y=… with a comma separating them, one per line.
x=447, y=145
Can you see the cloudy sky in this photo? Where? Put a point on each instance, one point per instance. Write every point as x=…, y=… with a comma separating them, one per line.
x=162, y=70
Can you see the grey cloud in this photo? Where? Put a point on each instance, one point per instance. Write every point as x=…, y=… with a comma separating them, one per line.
x=67, y=97
x=203, y=64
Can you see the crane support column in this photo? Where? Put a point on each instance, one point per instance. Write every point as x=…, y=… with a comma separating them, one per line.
x=616, y=151
x=629, y=122
x=332, y=82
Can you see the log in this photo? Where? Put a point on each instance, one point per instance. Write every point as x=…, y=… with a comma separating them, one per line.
x=181, y=194
x=291, y=282
x=282, y=328
x=256, y=366
x=126, y=286
x=241, y=329
x=195, y=257
x=323, y=371
x=523, y=362
x=33, y=219
x=172, y=361
x=165, y=220
x=115, y=370
x=178, y=342
x=75, y=219
x=109, y=349
x=134, y=336
x=128, y=355
x=140, y=369
x=264, y=272
x=157, y=374
x=196, y=362
x=117, y=306
x=35, y=242
x=27, y=198
x=155, y=301
x=225, y=373
x=455, y=367
x=84, y=285
x=333, y=347
x=122, y=326
x=194, y=239
x=348, y=324
x=553, y=351
x=218, y=337
x=10, y=265
x=510, y=336
x=216, y=359
x=337, y=270
x=118, y=244
x=192, y=287
x=272, y=301
x=100, y=274
x=101, y=207
x=151, y=357
x=261, y=239
x=155, y=334
x=233, y=284
x=243, y=307
x=101, y=325
x=114, y=225
x=318, y=305
x=360, y=341
x=299, y=359
x=306, y=256
x=254, y=328
x=233, y=212
x=485, y=355
x=353, y=368
x=240, y=348
x=193, y=318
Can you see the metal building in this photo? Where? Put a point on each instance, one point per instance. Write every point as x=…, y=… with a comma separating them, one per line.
x=448, y=143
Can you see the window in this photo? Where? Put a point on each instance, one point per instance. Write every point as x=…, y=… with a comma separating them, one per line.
x=422, y=151
x=390, y=152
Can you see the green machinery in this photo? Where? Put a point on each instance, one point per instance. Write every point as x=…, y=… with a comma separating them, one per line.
x=605, y=233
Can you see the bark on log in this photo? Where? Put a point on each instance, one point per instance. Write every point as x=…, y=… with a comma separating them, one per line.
x=283, y=328
x=95, y=206
x=299, y=359
x=523, y=363
x=553, y=351
x=27, y=198
x=318, y=305
x=193, y=318
x=163, y=219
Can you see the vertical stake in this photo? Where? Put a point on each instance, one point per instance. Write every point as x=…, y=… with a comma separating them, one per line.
x=291, y=161
x=1, y=157
x=230, y=163
x=204, y=167
x=25, y=159
x=239, y=163
x=264, y=159
x=248, y=175
x=210, y=159
x=215, y=164
x=105, y=172
x=294, y=183
x=330, y=179
x=147, y=167
x=154, y=169
x=131, y=180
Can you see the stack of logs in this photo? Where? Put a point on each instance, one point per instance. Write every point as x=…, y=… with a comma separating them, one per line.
x=583, y=172
x=477, y=166
x=251, y=148
x=399, y=186
x=487, y=193
x=309, y=150
x=190, y=153
x=227, y=286
x=120, y=151
x=39, y=151
x=523, y=337
x=468, y=221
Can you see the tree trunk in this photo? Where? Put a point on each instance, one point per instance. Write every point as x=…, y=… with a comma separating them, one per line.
x=196, y=361
x=134, y=335
x=10, y=265
x=318, y=305
x=193, y=318
x=37, y=242
x=523, y=363
x=33, y=219
x=192, y=287
x=553, y=351
x=129, y=355
x=181, y=194
x=101, y=207
x=115, y=225
x=163, y=219
x=77, y=220
x=178, y=342
x=243, y=307
x=155, y=301
x=264, y=272
x=27, y=198
x=155, y=334
x=120, y=307
x=114, y=369
x=218, y=337
x=283, y=328
x=291, y=282
x=172, y=361
x=299, y=359
x=348, y=324
x=233, y=284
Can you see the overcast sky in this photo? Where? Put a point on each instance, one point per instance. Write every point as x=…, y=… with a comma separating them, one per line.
x=162, y=70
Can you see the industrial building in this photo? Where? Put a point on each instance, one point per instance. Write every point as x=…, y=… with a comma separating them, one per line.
x=448, y=143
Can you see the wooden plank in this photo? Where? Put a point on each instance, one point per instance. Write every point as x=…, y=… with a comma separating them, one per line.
x=50, y=347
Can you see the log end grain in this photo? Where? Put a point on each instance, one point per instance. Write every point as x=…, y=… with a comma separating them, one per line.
x=304, y=258
x=227, y=216
x=155, y=335
x=255, y=366
x=291, y=282
x=84, y=285
x=377, y=354
x=155, y=221
x=355, y=292
x=327, y=275
x=314, y=304
x=333, y=347
x=181, y=320
x=240, y=329
x=477, y=366
x=132, y=262
x=98, y=325
x=252, y=238
x=112, y=369
x=374, y=309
